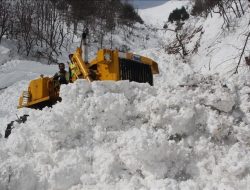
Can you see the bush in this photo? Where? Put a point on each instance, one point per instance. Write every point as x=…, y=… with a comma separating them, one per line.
x=178, y=15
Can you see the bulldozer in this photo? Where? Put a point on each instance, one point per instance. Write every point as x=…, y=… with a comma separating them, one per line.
x=107, y=65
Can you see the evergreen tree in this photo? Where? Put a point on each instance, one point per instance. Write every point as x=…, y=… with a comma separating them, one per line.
x=178, y=15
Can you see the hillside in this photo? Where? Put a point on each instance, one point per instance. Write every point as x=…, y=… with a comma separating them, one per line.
x=188, y=131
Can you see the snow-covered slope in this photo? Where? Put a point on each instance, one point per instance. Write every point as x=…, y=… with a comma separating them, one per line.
x=219, y=47
x=189, y=131
x=158, y=15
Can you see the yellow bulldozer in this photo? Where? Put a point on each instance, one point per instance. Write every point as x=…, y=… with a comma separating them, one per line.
x=108, y=65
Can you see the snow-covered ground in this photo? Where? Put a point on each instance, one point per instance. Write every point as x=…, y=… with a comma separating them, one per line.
x=189, y=131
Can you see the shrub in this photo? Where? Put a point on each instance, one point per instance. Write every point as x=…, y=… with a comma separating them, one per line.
x=178, y=15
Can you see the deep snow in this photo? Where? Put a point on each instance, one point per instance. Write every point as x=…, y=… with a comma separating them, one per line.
x=190, y=131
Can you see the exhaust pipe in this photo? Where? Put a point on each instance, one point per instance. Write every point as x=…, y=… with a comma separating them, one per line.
x=84, y=56
x=84, y=46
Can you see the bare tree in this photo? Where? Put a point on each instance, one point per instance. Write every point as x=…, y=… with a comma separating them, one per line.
x=24, y=13
x=5, y=13
x=39, y=26
x=204, y=7
x=242, y=53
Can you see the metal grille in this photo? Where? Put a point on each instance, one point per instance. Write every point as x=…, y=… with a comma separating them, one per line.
x=135, y=71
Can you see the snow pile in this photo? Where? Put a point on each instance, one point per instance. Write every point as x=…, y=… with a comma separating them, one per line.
x=121, y=135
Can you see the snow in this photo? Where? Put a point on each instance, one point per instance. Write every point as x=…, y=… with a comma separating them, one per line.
x=4, y=53
x=158, y=15
x=16, y=70
x=191, y=130
x=121, y=135
x=221, y=48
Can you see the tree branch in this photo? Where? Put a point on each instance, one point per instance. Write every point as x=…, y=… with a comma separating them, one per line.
x=243, y=50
